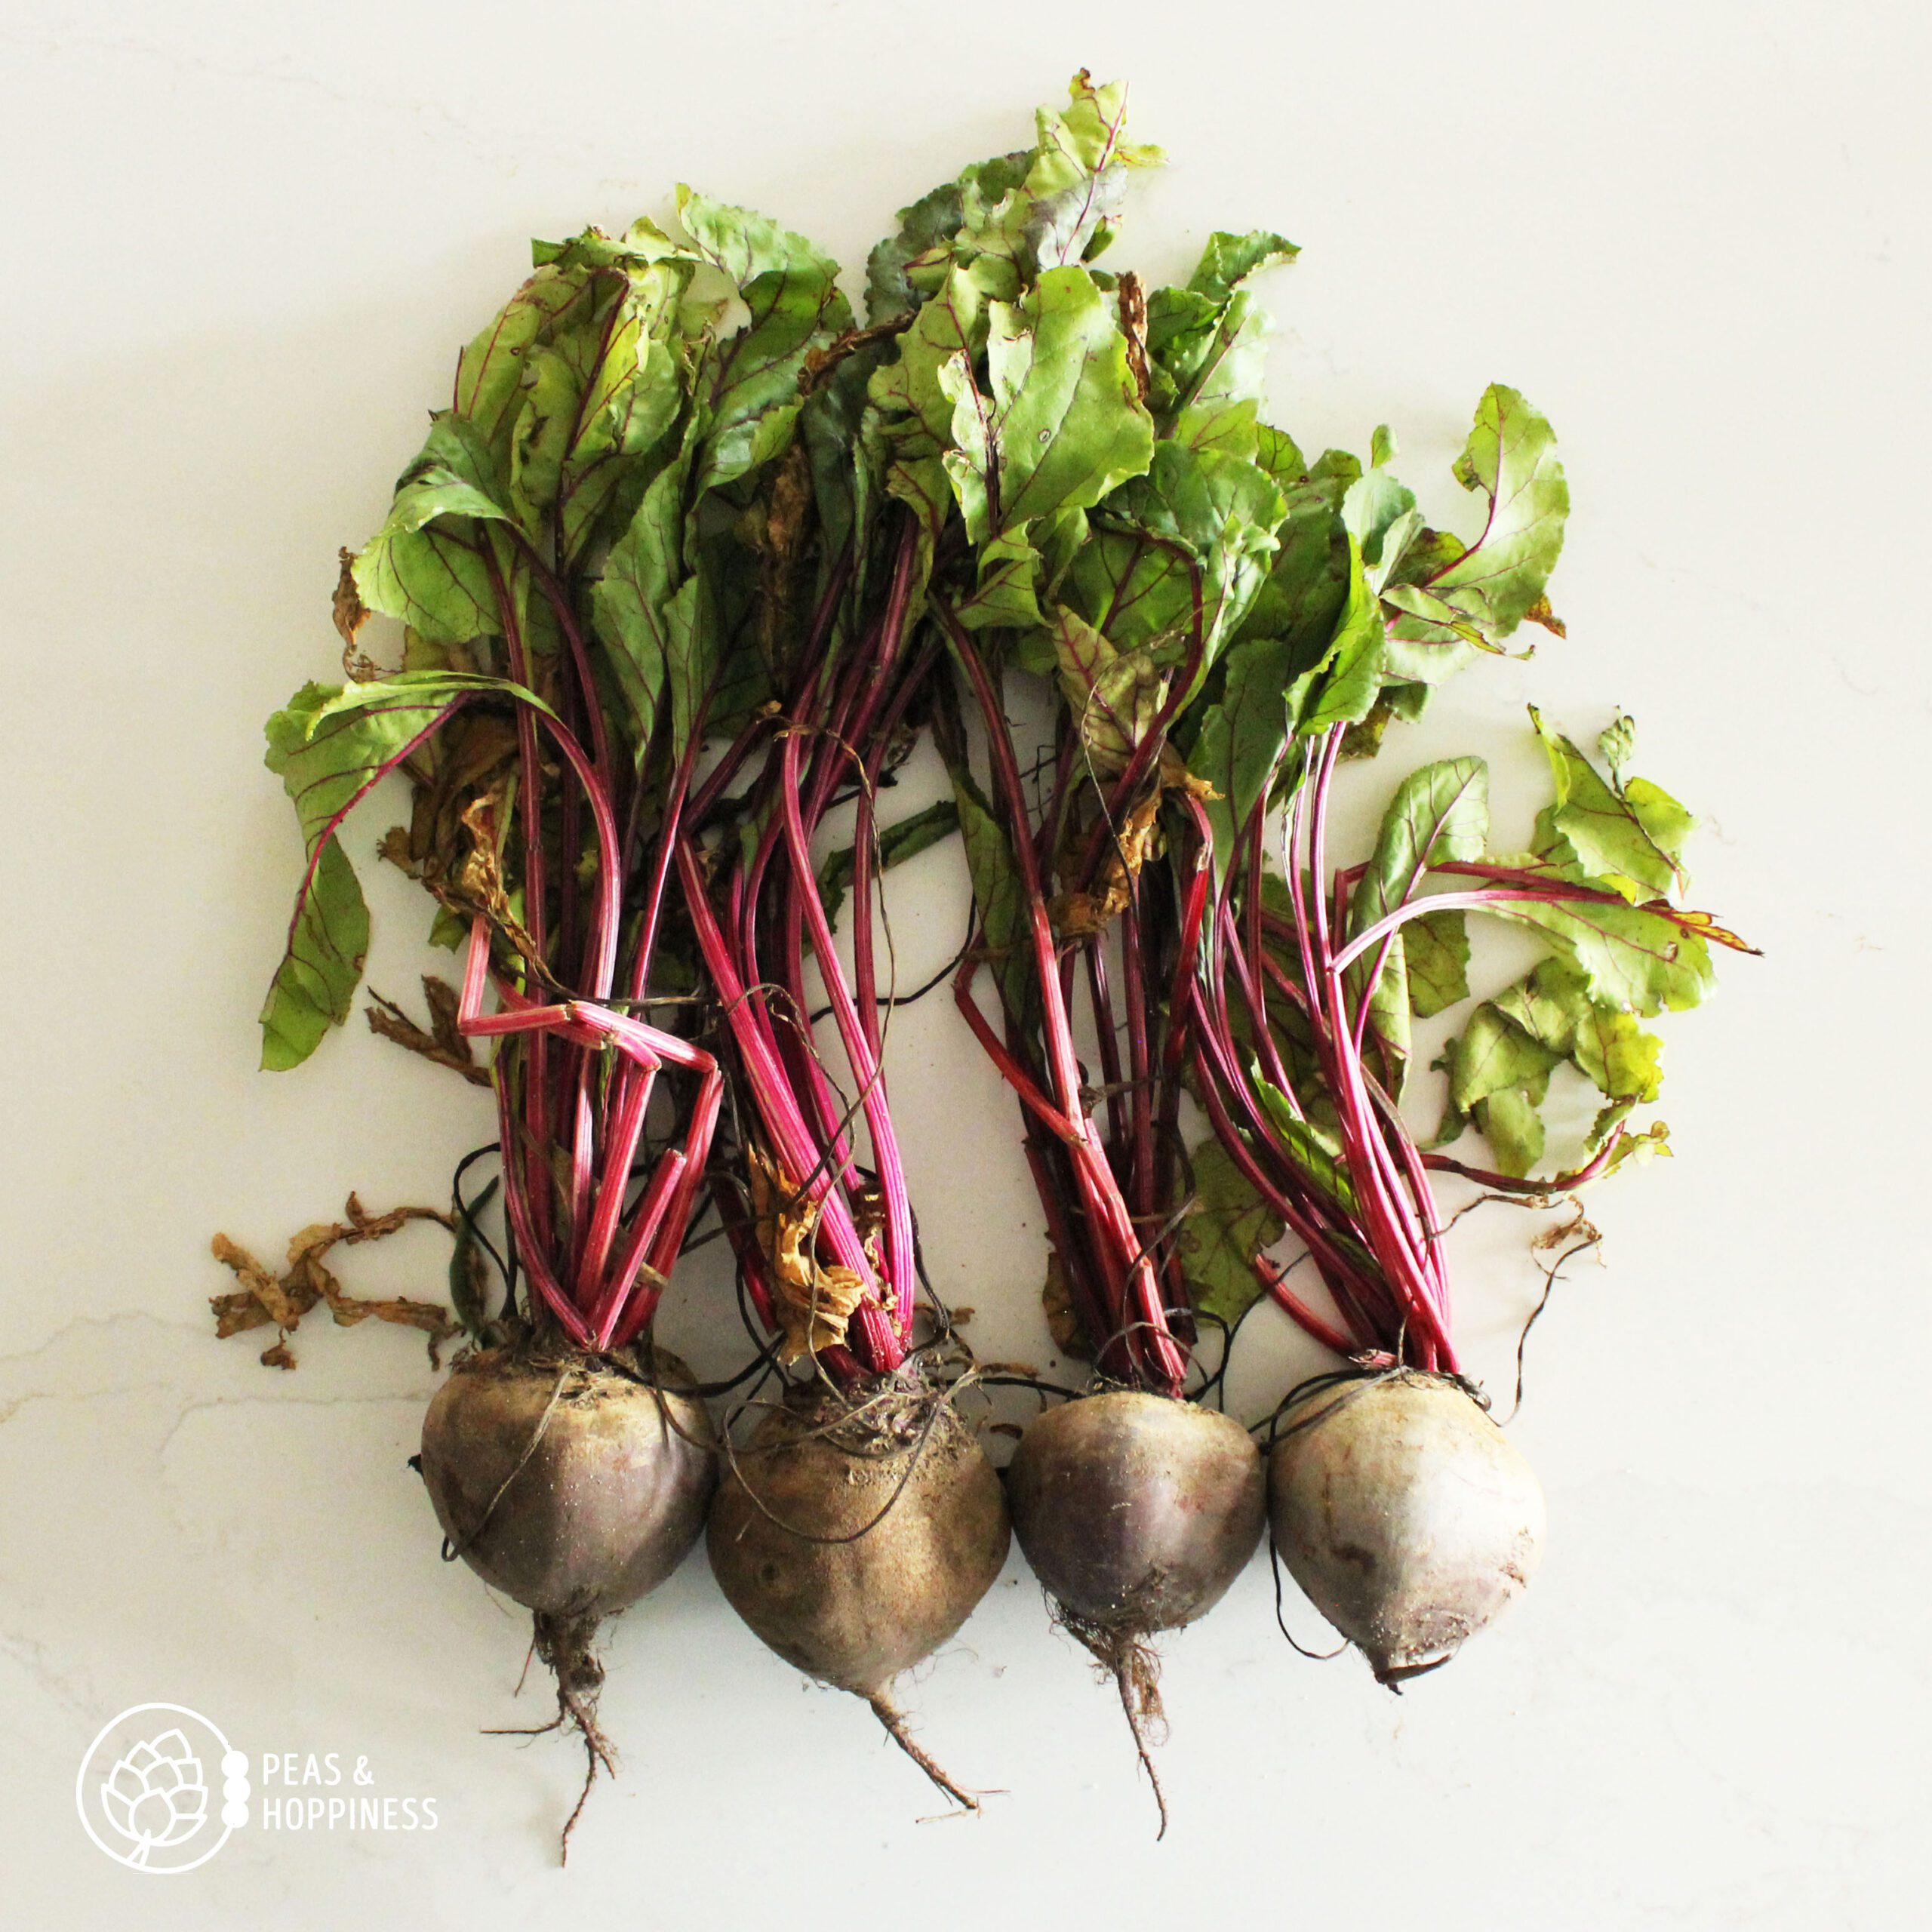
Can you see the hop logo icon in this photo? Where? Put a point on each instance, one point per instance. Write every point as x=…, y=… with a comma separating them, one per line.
x=143, y=1793
x=156, y=1796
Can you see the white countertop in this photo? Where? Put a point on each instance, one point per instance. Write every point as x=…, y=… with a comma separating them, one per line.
x=242, y=245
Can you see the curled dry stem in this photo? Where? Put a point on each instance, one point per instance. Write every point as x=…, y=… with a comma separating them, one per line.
x=265, y=1297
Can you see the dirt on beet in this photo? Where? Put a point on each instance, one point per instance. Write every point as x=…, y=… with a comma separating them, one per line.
x=855, y=1537
x=1137, y=1512
x=575, y=1487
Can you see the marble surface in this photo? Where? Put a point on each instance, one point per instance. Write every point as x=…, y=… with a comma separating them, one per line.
x=242, y=246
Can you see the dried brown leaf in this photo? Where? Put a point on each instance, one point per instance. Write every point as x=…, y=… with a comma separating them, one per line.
x=350, y=614
x=816, y=1301
x=234, y=1313
x=1077, y=914
x=394, y=846
x=264, y=1298
x=445, y=1004
x=444, y=1045
x=1062, y=1324
x=477, y=886
x=1540, y=612
x=1134, y=326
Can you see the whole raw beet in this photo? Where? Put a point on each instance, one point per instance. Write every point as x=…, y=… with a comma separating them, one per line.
x=1405, y=1514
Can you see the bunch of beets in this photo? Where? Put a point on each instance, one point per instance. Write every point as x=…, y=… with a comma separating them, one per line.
x=690, y=566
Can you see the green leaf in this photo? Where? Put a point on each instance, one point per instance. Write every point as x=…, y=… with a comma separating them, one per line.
x=1308, y=654
x=1078, y=170
x=1113, y=696
x=841, y=434
x=426, y=566
x=1547, y=1005
x=1511, y=458
x=1447, y=596
x=1277, y=456
x=331, y=742
x=1499, y=1075
x=634, y=397
x=1439, y=814
x=1509, y=1120
x=789, y=288
x=1239, y=738
x=1499, y=1068
x=1060, y=211
x=1307, y=587
x=1388, y=1009
x=1630, y=958
x=630, y=603
x=1652, y=1143
x=1206, y=347
x=1218, y=386
x=1616, y=743
x=1435, y=950
x=552, y=389
x=313, y=988
x=1611, y=964
x=1493, y=1054
x=1228, y=260
x=1611, y=1050
x=1381, y=514
x=1009, y=566
x=1617, y=1056
x=490, y=373
x=330, y=746
x=1221, y=511
x=1061, y=425
x=747, y=246
x=691, y=648
x=581, y=377
x=949, y=329
x=1343, y=689
x=1228, y=1225
x=1633, y=839
x=1315, y=1154
x=905, y=840
x=908, y=265
x=999, y=898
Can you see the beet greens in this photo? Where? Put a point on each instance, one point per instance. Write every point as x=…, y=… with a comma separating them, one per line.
x=1305, y=987
x=565, y=558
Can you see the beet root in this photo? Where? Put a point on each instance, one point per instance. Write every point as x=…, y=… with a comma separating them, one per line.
x=857, y=1540
x=1137, y=1512
x=574, y=1488
x=1407, y=1516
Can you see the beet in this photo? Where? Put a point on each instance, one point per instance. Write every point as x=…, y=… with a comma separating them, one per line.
x=855, y=1540
x=1137, y=1512
x=1406, y=1515
x=574, y=1488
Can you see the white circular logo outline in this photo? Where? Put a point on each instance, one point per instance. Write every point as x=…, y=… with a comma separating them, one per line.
x=127, y=1860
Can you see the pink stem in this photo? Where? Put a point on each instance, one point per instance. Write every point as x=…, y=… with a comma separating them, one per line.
x=865, y=1068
